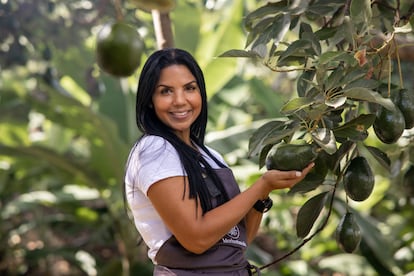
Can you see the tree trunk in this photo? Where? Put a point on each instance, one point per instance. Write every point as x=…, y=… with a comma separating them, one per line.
x=163, y=29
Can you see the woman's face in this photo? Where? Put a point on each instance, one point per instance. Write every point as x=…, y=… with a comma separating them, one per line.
x=177, y=99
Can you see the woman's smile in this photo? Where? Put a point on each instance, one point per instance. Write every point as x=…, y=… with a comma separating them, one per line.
x=181, y=114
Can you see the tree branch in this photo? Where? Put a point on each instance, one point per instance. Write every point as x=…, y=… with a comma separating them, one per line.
x=305, y=241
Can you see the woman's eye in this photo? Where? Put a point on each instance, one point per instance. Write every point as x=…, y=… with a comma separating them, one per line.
x=191, y=88
x=165, y=91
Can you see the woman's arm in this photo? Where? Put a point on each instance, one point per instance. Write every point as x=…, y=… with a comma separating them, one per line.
x=253, y=219
x=196, y=232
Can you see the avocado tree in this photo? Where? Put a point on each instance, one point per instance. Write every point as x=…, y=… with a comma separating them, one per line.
x=353, y=106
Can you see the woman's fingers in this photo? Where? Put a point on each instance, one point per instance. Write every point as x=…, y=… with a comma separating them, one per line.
x=294, y=174
x=308, y=168
x=287, y=179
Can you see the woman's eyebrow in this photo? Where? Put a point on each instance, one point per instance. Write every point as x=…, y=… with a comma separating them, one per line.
x=163, y=85
x=167, y=86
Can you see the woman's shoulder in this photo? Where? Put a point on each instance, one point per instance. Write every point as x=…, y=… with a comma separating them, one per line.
x=151, y=147
x=153, y=143
x=152, y=140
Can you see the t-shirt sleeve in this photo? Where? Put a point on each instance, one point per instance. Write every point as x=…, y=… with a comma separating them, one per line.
x=152, y=160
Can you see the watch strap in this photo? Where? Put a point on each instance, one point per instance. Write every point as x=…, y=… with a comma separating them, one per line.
x=263, y=206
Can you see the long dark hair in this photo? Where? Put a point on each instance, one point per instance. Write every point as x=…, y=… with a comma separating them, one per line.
x=149, y=124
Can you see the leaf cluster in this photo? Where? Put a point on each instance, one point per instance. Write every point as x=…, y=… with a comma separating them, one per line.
x=343, y=79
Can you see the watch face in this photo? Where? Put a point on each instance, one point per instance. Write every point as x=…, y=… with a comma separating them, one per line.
x=268, y=203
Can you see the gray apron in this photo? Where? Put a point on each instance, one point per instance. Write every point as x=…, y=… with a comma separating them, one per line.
x=226, y=257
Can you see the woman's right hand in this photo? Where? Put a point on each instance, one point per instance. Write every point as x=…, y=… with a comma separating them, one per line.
x=276, y=180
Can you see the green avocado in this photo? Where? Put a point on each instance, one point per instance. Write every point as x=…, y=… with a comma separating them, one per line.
x=290, y=157
x=389, y=125
x=348, y=234
x=119, y=48
x=404, y=100
x=358, y=179
x=408, y=181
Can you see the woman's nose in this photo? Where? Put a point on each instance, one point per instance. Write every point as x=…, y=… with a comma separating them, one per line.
x=179, y=97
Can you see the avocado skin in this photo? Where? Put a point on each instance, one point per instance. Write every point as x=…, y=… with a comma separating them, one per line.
x=348, y=234
x=290, y=157
x=404, y=100
x=408, y=181
x=358, y=179
x=389, y=125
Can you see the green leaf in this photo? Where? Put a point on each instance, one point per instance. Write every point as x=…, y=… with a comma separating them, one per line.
x=264, y=11
x=228, y=35
x=304, y=81
x=297, y=104
x=330, y=56
x=333, y=81
x=366, y=83
x=281, y=26
x=263, y=154
x=275, y=31
x=361, y=13
x=324, y=8
x=364, y=94
x=306, y=185
x=240, y=53
x=325, y=138
x=65, y=163
x=326, y=33
x=308, y=214
x=187, y=32
x=260, y=29
x=343, y=150
x=14, y=133
x=314, y=42
x=360, y=10
x=380, y=156
x=355, y=127
x=296, y=49
x=272, y=128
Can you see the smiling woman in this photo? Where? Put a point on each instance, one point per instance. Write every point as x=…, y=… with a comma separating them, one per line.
x=183, y=197
x=177, y=100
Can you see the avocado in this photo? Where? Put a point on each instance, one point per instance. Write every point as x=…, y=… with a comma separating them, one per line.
x=290, y=157
x=358, y=179
x=348, y=234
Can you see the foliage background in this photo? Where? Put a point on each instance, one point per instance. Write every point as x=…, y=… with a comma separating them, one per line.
x=66, y=129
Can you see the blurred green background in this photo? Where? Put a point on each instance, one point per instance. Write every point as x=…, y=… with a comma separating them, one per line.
x=66, y=128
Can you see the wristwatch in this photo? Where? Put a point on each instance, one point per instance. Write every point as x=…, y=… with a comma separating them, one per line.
x=263, y=206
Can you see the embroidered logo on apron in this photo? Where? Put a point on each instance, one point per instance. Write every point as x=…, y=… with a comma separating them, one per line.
x=233, y=236
x=234, y=232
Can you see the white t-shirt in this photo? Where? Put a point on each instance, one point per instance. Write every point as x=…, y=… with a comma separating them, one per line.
x=152, y=160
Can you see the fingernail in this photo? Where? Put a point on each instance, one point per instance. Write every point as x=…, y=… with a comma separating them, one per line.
x=298, y=174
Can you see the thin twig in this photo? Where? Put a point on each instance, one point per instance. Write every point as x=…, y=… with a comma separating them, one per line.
x=118, y=9
x=317, y=231
x=305, y=241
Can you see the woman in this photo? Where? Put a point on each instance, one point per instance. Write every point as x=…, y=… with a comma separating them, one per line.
x=184, y=199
